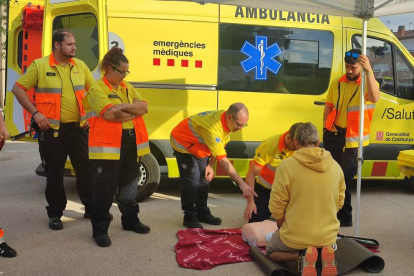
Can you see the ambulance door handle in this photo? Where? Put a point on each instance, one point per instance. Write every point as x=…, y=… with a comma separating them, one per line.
x=319, y=103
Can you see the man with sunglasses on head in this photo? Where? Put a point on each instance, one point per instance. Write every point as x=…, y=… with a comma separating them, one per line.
x=60, y=81
x=341, y=120
x=198, y=142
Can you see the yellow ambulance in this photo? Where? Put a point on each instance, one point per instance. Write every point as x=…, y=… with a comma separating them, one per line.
x=187, y=58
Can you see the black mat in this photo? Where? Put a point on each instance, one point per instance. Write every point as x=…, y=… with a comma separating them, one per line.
x=349, y=255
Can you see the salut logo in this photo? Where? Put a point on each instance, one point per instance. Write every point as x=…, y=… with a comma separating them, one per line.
x=261, y=57
x=75, y=72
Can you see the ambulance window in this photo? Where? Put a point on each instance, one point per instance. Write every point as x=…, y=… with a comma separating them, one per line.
x=405, y=77
x=379, y=53
x=302, y=66
x=85, y=28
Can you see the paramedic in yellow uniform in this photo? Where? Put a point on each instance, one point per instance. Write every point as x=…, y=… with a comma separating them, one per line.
x=262, y=172
x=60, y=82
x=117, y=139
x=341, y=120
x=198, y=142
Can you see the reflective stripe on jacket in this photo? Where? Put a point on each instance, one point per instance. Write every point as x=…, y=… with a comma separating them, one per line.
x=352, y=111
x=276, y=152
x=352, y=130
x=202, y=135
x=105, y=136
x=48, y=91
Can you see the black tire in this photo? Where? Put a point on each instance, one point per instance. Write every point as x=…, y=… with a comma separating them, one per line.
x=150, y=177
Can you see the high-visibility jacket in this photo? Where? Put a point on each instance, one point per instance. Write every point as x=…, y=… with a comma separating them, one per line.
x=268, y=156
x=202, y=135
x=343, y=97
x=105, y=136
x=48, y=90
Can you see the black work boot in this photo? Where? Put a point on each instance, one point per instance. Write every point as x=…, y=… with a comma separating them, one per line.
x=55, y=223
x=210, y=219
x=192, y=224
x=6, y=251
x=138, y=228
x=103, y=240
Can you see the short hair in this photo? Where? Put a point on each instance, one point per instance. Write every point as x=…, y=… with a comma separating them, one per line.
x=292, y=130
x=307, y=134
x=352, y=60
x=59, y=36
x=236, y=108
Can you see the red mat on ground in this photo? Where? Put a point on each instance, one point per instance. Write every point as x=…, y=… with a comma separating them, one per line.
x=204, y=249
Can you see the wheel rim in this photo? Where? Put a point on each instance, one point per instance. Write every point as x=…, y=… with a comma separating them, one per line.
x=143, y=175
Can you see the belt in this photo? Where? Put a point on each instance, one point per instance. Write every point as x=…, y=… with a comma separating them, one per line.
x=73, y=124
x=128, y=132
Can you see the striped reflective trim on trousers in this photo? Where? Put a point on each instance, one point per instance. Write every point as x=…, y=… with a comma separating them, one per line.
x=48, y=90
x=190, y=126
x=104, y=150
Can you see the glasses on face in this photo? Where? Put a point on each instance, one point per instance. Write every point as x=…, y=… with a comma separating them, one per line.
x=352, y=55
x=124, y=74
x=237, y=124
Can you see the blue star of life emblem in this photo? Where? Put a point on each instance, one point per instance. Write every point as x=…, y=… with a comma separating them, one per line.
x=217, y=140
x=202, y=113
x=261, y=57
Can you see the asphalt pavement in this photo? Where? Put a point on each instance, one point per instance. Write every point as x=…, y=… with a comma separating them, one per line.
x=386, y=215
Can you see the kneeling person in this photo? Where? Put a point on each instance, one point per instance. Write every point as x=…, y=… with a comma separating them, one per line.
x=267, y=157
x=307, y=192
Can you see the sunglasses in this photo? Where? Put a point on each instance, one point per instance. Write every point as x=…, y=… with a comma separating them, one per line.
x=352, y=55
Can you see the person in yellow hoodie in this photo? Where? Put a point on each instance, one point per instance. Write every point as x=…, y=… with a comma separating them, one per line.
x=307, y=193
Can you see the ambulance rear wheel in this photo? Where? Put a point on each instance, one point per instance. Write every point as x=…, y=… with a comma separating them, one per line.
x=149, y=178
